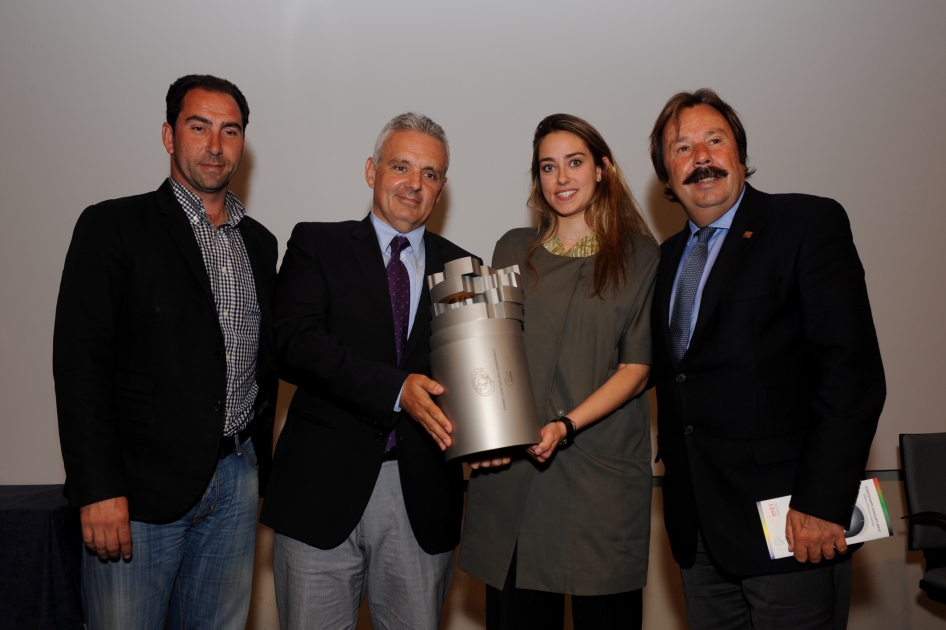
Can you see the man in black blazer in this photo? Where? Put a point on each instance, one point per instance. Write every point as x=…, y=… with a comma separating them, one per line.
x=361, y=498
x=769, y=380
x=166, y=379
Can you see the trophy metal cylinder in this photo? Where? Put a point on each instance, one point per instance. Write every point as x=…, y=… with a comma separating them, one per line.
x=478, y=356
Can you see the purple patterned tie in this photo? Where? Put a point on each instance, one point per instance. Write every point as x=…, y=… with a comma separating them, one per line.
x=399, y=286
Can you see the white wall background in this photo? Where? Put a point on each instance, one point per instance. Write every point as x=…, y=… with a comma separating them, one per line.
x=841, y=99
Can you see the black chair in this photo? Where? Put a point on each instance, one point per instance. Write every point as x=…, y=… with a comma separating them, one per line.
x=924, y=480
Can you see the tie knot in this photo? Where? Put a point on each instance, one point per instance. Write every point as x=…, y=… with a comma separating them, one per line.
x=398, y=244
x=704, y=234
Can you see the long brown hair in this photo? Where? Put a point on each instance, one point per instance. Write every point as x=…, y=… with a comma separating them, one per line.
x=612, y=214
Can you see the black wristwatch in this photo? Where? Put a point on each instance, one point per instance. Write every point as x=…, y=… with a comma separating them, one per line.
x=570, y=431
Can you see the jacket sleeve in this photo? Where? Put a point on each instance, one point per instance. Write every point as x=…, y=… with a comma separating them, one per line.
x=90, y=297
x=845, y=372
x=309, y=355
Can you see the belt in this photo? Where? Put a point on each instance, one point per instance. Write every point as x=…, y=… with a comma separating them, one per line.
x=228, y=442
x=390, y=455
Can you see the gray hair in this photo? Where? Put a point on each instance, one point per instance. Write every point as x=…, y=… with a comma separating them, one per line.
x=412, y=122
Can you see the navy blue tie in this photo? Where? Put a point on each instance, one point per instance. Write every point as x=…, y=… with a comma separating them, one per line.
x=687, y=284
x=399, y=286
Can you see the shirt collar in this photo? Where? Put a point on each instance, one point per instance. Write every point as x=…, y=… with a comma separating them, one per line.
x=386, y=234
x=724, y=222
x=194, y=206
x=587, y=246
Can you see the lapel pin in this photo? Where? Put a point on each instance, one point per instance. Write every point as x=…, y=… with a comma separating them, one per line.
x=747, y=235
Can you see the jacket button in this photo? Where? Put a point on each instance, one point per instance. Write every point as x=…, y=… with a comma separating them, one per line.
x=218, y=354
x=218, y=406
x=379, y=436
x=681, y=378
x=688, y=430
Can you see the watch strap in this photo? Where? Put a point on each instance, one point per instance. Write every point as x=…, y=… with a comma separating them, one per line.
x=570, y=430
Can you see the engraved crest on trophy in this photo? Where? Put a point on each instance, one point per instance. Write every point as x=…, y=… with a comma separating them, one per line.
x=482, y=383
x=478, y=354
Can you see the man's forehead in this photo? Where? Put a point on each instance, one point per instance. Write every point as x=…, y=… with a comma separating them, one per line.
x=201, y=98
x=415, y=148
x=711, y=121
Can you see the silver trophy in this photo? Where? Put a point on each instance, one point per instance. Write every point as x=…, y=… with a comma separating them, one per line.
x=477, y=353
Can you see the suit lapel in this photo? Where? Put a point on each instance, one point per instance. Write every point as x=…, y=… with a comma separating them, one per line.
x=254, y=252
x=183, y=235
x=749, y=218
x=367, y=252
x=665, y=280
x=433, y=263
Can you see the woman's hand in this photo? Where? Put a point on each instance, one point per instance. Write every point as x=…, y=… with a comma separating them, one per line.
x=552, y=435
x=499, y=459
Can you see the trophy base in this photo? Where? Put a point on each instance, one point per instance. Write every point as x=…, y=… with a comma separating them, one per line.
x=487, y=390
x=462, y=450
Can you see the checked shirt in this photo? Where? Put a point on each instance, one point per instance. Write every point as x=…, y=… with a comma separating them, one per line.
x=231, y=279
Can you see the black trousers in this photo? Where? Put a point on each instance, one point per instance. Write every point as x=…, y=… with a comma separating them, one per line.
x=817, y=599
x=523, y=609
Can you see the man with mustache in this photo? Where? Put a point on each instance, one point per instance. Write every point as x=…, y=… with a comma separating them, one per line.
x=166, y=379
x=769, y=380
x=361, y=498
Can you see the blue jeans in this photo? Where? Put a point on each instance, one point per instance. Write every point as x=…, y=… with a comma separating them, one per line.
x=200, y=565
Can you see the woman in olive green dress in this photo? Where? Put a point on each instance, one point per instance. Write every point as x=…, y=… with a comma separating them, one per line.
x=571, y=515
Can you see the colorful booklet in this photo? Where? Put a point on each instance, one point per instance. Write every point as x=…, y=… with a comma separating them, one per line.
x=869, y=522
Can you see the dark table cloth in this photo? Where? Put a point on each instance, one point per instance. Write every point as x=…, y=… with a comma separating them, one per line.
x=40, y=555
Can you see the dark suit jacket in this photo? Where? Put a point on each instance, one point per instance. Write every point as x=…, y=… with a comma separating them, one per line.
x=335, y=341
x=781, y=388
x=138, y=357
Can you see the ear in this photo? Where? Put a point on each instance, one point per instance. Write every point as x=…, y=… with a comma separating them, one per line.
x=606, y=164
x=370, y=171
x=167, y=137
